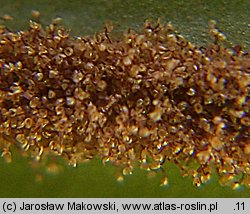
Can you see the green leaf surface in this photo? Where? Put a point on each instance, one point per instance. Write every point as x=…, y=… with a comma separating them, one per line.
x=92, y=179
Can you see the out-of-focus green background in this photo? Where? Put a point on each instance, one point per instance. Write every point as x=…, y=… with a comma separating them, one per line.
x=92, y=179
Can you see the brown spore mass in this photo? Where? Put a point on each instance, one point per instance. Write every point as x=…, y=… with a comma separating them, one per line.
x=144, y=99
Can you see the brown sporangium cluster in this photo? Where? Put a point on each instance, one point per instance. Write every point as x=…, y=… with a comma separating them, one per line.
x=144, y=99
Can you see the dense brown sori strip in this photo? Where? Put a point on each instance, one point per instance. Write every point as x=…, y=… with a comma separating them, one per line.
x=148, y=98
